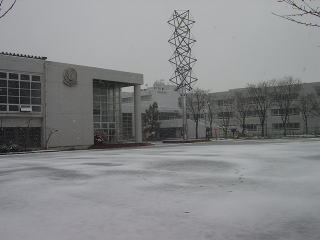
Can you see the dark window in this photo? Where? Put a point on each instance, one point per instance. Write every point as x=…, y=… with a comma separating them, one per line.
x=14, y=100
x=25, y=100
x=35, y=100
x=13, y=76
x=3, y=99
x=36, y=108
x=3, y=75
x=13, y=84
x=25, y=93
x=3, y=83
x=25, y=85
x=35, y=78
x=13, y=108
x=24, y=77
x=13, y=92
x=35, y=93
x=3, y=91
x=35, y=86
x=3, y=108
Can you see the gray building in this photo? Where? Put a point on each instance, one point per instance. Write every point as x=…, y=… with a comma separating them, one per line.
x=225, y=117
x=169, y=111
x=45, y=103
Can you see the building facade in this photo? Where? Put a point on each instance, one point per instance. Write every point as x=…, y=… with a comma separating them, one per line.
x=226, y=115
x=226, y=121
x=170, y=112
x=52, y=104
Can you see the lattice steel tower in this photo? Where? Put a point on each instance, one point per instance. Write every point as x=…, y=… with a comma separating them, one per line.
x=183, y=61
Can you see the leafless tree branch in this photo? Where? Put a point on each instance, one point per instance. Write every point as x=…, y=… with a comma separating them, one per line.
x=302, y=8
x=4, y=12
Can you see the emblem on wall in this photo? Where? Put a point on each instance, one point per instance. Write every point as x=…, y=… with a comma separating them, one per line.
x=70, y=77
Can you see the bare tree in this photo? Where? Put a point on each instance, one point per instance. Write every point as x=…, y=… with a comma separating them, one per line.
x=305, y=12
x=210, y=109
x=3, y=9
x=196, y=102
x=285, y=94
x=242, y=107
x=52, y=131
x=309, y=107
x=261, y=95
x=225, y=108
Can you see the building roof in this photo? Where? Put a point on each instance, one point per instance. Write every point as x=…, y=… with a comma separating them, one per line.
x=23, y=55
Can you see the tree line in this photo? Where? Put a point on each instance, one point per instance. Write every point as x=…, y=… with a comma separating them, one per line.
x=256, y=100
x=284, y=97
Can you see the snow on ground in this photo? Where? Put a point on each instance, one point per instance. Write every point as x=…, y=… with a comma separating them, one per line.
x=242, y=190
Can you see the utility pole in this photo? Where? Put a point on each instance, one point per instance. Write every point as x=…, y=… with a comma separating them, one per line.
x=182, y=42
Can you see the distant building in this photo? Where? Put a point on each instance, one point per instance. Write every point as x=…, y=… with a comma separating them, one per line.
x=170, y=112
x=171, y=122
x=273, y=127
x=58, y=104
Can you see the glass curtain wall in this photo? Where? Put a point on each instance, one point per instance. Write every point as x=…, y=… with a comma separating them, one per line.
x=106, y=110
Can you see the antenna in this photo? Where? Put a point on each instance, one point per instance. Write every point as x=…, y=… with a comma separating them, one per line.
x=182, y=59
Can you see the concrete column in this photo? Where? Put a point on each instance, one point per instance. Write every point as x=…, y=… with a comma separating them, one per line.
x=137, y=113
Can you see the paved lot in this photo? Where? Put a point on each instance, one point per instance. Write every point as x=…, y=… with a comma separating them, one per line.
x=242, y=190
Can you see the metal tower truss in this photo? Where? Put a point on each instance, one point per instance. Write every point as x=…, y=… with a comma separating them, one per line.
x=182, y=42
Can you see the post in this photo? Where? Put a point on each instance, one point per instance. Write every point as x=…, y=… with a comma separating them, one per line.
x=184, y=114
x=137, y=113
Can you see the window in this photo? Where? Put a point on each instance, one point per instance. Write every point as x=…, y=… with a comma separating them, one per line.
x=146, y=98
x=36, y=78
x=3, y=108
x=3, y=75
x=17, y=89
x=106, y=110
x=251, y=127
x=24, y=77
x=25, y=100
x=3, y=99
x=281, y=112
x=13, y=108
x=13, y=92
x=3, y=91
x=24, y=93
x=290, y=126
x=3, y=83
x=127, y=100
x=13, y=84
x=13, y=76
x=36, y=108
x=35, y=85
x=35, y=100
x=25, y=85
x=225, y=102
x=225, y=115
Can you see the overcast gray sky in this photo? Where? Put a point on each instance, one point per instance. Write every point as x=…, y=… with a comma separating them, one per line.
x=237, y=41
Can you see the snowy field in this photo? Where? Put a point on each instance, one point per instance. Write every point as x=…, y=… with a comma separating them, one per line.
x=242, y=190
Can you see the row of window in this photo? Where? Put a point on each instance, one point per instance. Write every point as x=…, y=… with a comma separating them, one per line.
x=255, y=113
x=130, y=99
x=275, y=126
x=20, y=92
x=281, y=112
x=251, y=127
x=22, y=77
x=290, y=126
x=127, y=131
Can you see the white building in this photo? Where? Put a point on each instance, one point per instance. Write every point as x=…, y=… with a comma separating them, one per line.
x=170, y=112
x=224, y=114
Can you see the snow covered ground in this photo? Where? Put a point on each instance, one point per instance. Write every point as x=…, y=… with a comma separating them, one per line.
x=242, y=190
